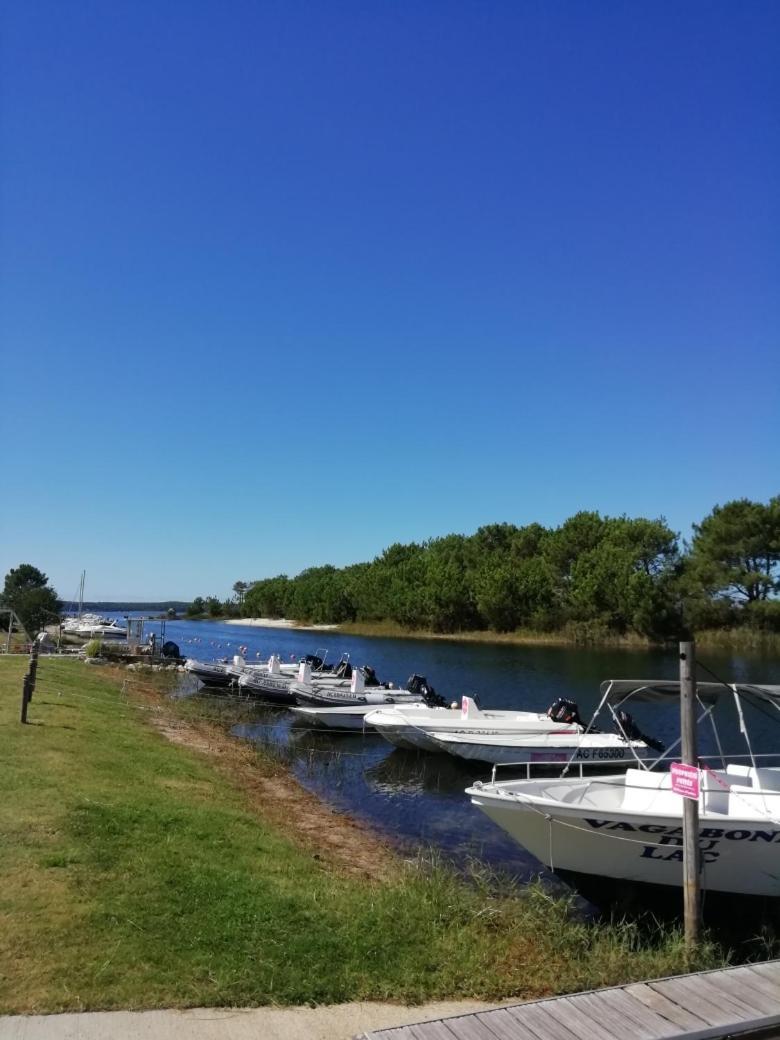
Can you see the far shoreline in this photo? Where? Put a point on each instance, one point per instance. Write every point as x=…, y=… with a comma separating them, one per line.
x=263, y=622
x=725, y=640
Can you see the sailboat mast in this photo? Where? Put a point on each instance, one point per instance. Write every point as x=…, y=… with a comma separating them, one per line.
x=81, y=593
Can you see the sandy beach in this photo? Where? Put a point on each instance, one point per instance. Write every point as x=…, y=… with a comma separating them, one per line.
x=264, y=622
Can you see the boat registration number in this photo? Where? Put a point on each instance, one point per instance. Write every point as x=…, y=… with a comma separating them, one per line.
x=598, y=754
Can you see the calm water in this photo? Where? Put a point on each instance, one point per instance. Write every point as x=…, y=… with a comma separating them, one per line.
x=418, y=799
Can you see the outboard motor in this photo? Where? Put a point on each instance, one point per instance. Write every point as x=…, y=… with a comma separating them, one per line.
x=315, y=662
x=344, y=670
x=564, y=711
x=370, y=676
x=419, y=684
x=626, y=727
x=170, y=649
x=434, y=699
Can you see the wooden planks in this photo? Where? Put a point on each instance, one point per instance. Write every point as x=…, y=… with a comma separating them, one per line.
x=711, y=1003
x=676, y=1015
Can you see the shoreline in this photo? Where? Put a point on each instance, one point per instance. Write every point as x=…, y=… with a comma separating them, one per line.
x=264, y=622
x=726, y=640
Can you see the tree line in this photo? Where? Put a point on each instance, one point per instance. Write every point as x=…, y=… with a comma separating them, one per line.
x=593, y=574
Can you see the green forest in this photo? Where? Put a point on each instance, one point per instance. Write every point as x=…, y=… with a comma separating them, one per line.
x=593, y=575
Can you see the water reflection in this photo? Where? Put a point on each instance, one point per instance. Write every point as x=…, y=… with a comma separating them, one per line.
x=418, y=772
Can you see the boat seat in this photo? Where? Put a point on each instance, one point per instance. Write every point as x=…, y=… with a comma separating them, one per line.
x=713, y=795
x=651, y=793
x=767, y=778
x=738, y=769
x=746, y=802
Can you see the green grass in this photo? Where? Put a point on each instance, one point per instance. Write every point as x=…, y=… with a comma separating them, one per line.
x=134, y=874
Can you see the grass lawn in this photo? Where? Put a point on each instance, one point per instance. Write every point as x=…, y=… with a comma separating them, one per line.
x=137, y=873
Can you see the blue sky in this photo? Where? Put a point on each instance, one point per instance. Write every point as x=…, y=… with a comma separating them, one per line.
x=286, y=282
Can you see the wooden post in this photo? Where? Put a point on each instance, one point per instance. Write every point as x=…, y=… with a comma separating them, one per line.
x=25, y=698
x=33, y=669
x=691, y=852
x=28, y=684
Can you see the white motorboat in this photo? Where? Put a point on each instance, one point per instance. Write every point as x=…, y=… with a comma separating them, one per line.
x=240, y=666
x=421, y=730
x=236, y=668
x=100, y=629
x=630, y=826
x=71, y=625
x=362, y=687
x=496, y=736
x=228, y=673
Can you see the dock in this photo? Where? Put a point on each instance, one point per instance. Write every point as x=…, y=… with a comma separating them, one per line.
x=707, y=1005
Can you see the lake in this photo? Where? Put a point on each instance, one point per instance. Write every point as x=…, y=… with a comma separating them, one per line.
x=417, y=800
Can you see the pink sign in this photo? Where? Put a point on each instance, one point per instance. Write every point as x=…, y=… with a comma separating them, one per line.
x=685, y=780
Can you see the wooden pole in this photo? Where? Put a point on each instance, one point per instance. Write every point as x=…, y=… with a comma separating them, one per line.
x=25, y=699
x=691, y=852
x=28, y=684
x=33, y=669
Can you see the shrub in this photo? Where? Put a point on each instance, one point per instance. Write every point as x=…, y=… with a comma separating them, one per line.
x=93, y=648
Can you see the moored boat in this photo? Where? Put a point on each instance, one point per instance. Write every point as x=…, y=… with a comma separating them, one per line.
x=428, y=731
x=630, y=826
x=275, y=686
x=240, y=666
x=210, y=673
x=229, y=673
x=97, y=628
x=363, y=688
x=519, y=737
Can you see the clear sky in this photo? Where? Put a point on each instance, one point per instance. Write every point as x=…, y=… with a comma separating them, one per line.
x=285, y=282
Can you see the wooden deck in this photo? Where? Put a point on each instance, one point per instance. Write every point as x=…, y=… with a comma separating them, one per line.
x=702, y=1006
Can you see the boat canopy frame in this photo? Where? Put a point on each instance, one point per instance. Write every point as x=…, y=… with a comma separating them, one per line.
x=615, y=691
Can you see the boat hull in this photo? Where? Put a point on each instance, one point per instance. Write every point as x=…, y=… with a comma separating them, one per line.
x=214, y=676
x=214, y=682
x=283, y=689
x=738, y=856
x=274, y=689
x=326, y=695
x=544, y=752
x=409, y=737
